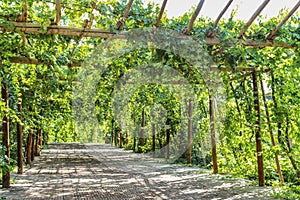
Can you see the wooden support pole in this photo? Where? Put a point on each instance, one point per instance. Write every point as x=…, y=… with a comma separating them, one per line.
x=142, y=138
x=153, y=140
x=121, y=23
x=32, y=146
x=250, y=21
x=272, y=35
x=40, y=132
x=167, y=155
x=121, y=138
x=270, y=130
x=58, y=12
x=161, y=12
x=190, y=129
x=126, y=135
x=213, y=34
x=5, y=138
x=194, y=16
x=259, y=151
x=29, y=148
x=36, y=145
x=213, y=135
x=20, y=139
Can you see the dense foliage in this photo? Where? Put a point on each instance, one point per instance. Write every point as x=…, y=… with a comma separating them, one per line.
x=45, y=89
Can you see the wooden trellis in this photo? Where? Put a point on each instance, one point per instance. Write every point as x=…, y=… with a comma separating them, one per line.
x=21, y=25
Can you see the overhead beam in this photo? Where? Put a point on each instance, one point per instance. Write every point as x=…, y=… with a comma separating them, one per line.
x=161, y=12
x=192, y=20
x=272, y=35
x=250, y=21
x=121, y=23
x=213, y=33
x=100, y=33
x=32, y=61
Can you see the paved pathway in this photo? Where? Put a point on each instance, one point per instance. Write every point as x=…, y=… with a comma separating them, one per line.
x=100, y=171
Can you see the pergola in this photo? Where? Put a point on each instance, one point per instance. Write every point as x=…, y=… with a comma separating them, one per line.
x=22, y=26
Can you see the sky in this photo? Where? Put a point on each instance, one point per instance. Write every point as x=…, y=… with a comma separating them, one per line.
x=212, y=8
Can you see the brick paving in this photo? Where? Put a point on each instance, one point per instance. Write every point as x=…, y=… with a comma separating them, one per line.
x=100, y=171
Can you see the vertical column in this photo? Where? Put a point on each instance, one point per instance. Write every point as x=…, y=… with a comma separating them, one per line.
x=36, y=145
x=213, y=135
x=153, y=140
x=29, y=147
x=168, y=139
x=20, y=139
x=5, y=138
x=190, y=141
x=121, y=137
x=259, y=152
x=142, y=139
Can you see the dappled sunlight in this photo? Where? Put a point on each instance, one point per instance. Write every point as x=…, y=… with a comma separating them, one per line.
x=74, y=171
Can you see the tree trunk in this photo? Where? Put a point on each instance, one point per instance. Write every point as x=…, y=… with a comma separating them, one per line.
x=259, y=151
x=20, y=140
x=5, y=138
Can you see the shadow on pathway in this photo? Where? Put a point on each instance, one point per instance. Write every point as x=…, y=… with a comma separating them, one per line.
x=100, y=171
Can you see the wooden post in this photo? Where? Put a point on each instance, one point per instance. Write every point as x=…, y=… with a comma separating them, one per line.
x=142, y=139
x=121, y=138
x=126, y=137
x=259, y=152
x=270, y=130
x=32, y=147
x=134, y=143
x=20, y=140
x=5, y=138
x=168, y=140
x=29, y=148
x=40, y=132
x=189, y=147
x=153, y=140
x=213, y=135
x=36, y=145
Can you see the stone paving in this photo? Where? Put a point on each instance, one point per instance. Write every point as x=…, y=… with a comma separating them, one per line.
x=100, y=171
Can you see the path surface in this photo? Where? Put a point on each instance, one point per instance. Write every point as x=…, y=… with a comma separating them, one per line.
x=99, y=171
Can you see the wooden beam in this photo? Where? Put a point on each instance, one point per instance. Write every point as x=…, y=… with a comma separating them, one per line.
x=121, y=22
x=257, y=12
x=161, y=12
x=192, y=20
x=57, y=30
x=213, y=33
x=272, y=35
x=100, y=33
x=25, y=60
